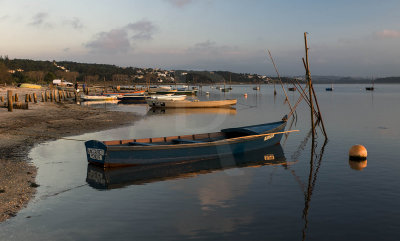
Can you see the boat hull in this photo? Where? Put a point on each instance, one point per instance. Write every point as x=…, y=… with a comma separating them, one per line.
x=111, y=178
x=125, y=155
x=132, y=99
x=98, y=98
x=191, y=104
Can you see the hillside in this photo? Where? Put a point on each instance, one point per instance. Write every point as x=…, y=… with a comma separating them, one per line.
x=43, y=72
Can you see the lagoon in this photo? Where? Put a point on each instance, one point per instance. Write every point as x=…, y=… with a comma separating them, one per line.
x=310, y=197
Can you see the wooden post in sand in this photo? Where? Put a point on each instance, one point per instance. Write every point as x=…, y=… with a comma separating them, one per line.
x=43, y=99
x=76, y=95
x=26, y=98
x=59, y=96
x=16, y=97
x=47, y=96
x=34, y=97
x=2, y=99
x=13, y=98
x=10, y=102
x=30, y=97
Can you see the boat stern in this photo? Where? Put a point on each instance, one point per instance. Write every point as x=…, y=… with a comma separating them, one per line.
x=96, y=152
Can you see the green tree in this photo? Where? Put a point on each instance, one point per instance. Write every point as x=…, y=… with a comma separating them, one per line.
x=49, y=77
x=5, y=76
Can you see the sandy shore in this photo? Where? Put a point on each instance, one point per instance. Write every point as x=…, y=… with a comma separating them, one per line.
x=20, y=130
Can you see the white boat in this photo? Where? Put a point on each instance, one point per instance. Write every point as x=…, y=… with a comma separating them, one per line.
x=159, y=88
x=98, y=97
x=168, y=97
x=99, y=102
x=190, y=103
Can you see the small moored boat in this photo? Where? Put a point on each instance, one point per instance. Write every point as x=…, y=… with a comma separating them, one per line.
x=191, y=103
x=111, y=178
x=168, y=97
x=98, y=97
x=175, y=149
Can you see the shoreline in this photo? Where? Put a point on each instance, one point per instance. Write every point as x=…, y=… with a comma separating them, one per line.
x=21, y=130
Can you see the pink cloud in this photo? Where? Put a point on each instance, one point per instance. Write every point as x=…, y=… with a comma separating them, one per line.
x=388, y=33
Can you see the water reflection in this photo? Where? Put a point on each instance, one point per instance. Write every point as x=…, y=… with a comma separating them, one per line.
x=358, y=165
x=173, y=111
x=100, y=178
x=315, y=164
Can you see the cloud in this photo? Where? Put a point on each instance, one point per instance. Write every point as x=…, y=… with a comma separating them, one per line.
x=120, y=40
x=388, y=33
x=142, y=30
x=114, y=41
x=75, y=23
x=180, y=3
x=40, y=20
x=211, y=47
x=4, y=17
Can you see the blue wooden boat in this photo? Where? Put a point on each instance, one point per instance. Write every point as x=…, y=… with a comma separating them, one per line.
x=133, y=98
x=174, y=149
x=112, y=178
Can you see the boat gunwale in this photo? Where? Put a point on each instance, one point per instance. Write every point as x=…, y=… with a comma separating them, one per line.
x=199, y=144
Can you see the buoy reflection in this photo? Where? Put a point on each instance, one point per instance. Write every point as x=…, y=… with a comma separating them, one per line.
x=358, y=165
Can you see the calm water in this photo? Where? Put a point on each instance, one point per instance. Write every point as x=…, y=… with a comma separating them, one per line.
x=302, y=197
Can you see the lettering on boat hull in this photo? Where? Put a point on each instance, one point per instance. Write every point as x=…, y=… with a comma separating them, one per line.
x=96, y=154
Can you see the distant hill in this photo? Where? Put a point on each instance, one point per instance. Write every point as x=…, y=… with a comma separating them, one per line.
x=388, y=80
x=353, y=80
x=37, y=71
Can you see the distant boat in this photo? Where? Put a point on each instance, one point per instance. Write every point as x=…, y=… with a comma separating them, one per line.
x=168, y=97
x=98, y=97
x=329, y=88
x=225, y=89
x=190, y=103
x=124, y=93
x=159, y=88
x=133, y=98
x=256, y=88
x=292, y=88
x=112, y=178
x=99, y=102
x=180, y=149
x=174, y=111
x=371, y=88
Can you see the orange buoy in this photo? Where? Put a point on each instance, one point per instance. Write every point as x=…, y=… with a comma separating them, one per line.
x=245, y=95
x=358, y=153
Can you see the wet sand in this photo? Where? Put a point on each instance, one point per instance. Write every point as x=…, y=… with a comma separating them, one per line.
x=21, y=130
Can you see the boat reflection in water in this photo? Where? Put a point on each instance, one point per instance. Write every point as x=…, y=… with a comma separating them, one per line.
x=173, y=111
x=111, y=178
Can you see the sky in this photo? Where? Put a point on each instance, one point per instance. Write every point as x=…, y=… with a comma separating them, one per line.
x=359, y=38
